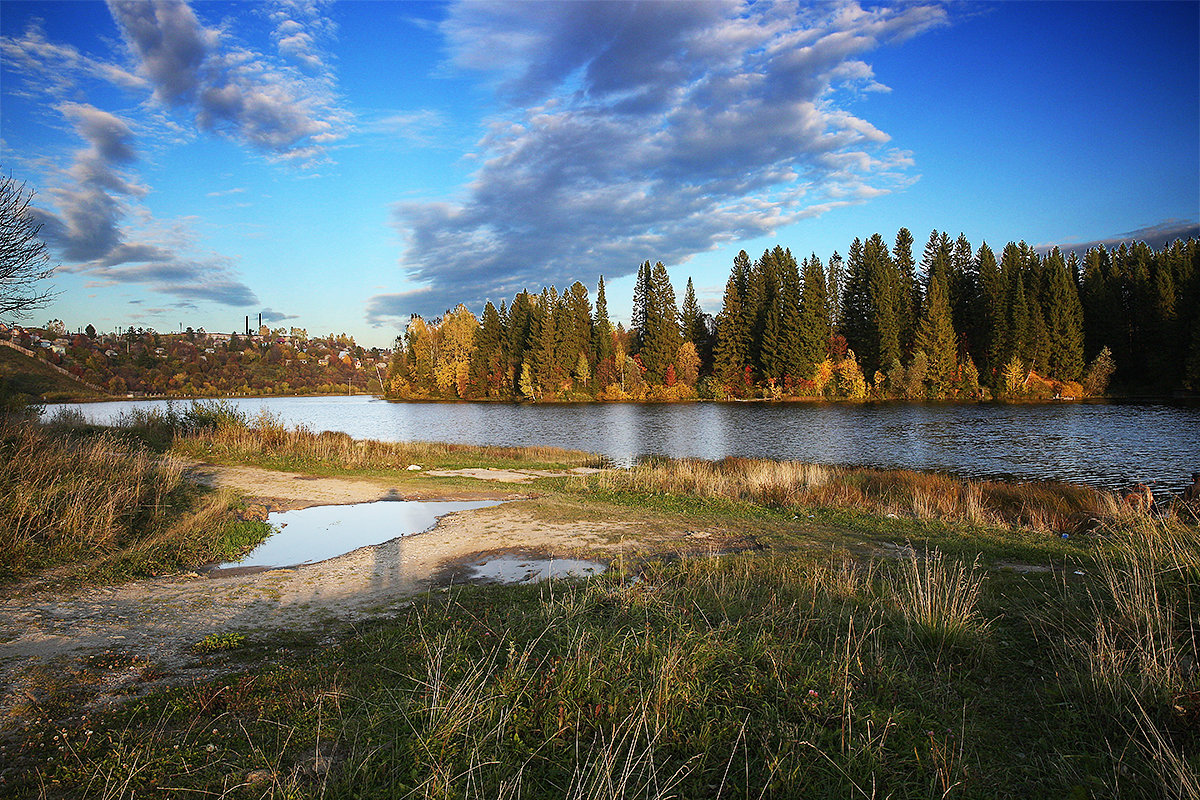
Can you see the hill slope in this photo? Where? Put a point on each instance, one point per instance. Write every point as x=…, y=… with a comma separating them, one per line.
x=21, y=374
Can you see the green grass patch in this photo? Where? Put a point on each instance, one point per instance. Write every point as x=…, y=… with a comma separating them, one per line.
x=768, y=674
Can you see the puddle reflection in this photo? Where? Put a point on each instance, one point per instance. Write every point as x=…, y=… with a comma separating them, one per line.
x=315, y=534
x=519, y=569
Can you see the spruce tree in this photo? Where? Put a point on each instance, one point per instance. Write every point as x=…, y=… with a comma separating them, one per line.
x=691, y=318
x=602, y=330
x=883, y=341
x=935, y=336
x=965, y=306
x=814, y=323
x=661, y=339
x=856, y=304
x=732, y=350
x=789, y=315
x=909, y=290
x=577, y=331
x=488, y=365
x=1064, y=319
x=833, y=293
x=989, y=347
x=547, y=351
x=1018, y=323
x=641, y=293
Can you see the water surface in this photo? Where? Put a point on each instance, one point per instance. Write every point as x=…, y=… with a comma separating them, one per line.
x=522, y=569
x=322, y=532
x=1103, y=444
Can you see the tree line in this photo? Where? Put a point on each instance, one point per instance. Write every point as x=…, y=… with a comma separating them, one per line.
x=958, y=322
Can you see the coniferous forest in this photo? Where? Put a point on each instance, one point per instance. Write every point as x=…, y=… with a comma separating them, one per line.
x=886, y=321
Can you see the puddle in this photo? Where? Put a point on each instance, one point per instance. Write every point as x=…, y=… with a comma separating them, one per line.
x=519, y=569
x=321, y=532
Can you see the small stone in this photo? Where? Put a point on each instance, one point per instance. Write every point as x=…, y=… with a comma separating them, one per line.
x=412, y=467
x=259, y=776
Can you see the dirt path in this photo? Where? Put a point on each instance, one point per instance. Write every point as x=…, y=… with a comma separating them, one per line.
x=160, y=620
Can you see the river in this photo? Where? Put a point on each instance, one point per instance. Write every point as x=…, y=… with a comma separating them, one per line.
x=1109, y=445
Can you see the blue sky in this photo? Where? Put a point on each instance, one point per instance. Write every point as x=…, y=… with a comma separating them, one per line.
x=338, y=166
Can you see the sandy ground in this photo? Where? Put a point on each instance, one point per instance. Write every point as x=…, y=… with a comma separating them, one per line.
x=159, y=620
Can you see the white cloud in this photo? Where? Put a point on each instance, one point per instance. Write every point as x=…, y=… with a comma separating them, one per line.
x=642, y=131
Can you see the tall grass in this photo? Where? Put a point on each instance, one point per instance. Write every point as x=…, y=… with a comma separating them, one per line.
x=940, y=599
x=1146, y=642
x=264, y=438
x=923, y=495
x=64, y=498
x=100, y=504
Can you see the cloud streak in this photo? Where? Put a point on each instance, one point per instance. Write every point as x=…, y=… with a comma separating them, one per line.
x=1160, y=235
x=87, y=229
x=638, y=131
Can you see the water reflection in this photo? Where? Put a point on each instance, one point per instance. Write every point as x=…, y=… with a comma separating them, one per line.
x=315, y=534
x=1104, y=444
x=520, y=569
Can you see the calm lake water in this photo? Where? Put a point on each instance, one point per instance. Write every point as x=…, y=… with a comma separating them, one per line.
x=1103, y=444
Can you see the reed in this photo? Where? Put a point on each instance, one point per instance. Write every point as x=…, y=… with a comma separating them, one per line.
x=1146, y=642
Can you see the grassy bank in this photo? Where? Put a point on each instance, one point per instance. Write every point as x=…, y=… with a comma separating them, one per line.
x=825, y=665
x=1041, y=506
x=102, y=507
x=750, y=675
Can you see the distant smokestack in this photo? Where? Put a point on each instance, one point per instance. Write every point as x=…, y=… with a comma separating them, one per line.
x=247, y=324
x=260, y=320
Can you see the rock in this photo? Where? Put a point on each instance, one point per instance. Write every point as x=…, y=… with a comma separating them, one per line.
x=412, y=467
x=259, y=776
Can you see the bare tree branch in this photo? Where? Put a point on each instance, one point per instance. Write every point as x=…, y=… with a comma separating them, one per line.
x=24, y=259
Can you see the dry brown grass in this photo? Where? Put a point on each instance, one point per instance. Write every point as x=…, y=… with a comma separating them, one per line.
x=265, y=436
x=63, y=498
x=781, y=484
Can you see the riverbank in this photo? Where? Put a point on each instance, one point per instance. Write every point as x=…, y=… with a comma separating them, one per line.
x=741, y=642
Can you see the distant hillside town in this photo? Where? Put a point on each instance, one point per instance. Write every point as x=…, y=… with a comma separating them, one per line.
x=196, y=363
